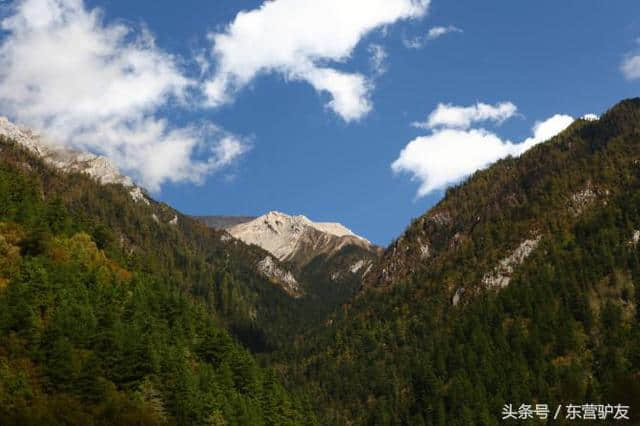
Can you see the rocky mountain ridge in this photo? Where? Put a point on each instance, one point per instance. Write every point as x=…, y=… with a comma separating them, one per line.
x=450, y=231
x=520, y=284
x=70, y=161
x=296, y=238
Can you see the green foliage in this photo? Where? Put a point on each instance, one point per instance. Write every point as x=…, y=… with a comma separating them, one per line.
x=566, y=328
x=111, y=315
x=140, y=237
x=89, y=337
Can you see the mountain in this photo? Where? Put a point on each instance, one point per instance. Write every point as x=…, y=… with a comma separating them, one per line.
x=525, y=198
x=303, y=247
x=297, y=239
x=152, y=236
x=70, y=161
x=253, y=294
x=111, y=315
x=522, y=286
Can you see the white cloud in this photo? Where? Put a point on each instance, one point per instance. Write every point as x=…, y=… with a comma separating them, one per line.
x=299, y=39
x=448, y=155
x=377, y=60
x=436, y=32
x=350, y=92
x=100, y=87
x=432, y=34
x=631, y=67
x=448, y=115
x=543, y=131
x=413, y=43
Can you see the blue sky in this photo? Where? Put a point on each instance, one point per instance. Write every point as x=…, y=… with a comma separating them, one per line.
x=297, y=155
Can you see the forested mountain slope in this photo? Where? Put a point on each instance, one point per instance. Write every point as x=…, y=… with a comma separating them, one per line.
x=153, y=237
x=520, y=286
x=95, y=330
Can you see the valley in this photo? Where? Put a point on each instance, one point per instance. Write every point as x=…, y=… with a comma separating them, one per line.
x=520, y=285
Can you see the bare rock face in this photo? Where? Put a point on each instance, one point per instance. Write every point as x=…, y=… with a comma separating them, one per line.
x=585, y=198
x=296, y=238
x=440, y=218
x=69, y=161
x=502, y=273
x=357, y=266
x=425, y=249
x=269, y=268
x=456, y=297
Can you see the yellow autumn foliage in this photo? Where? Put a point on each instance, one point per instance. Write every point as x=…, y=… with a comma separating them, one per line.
x=9, y=252
x=81, y=250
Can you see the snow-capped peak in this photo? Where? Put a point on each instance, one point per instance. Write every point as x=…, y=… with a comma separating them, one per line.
x=332, y=228
x=283, y=235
